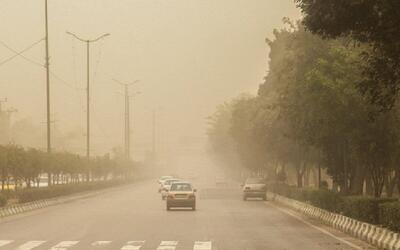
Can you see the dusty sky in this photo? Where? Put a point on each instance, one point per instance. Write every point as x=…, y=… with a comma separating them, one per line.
x=189, y=55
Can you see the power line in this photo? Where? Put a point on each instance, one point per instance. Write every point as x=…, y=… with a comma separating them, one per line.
x=16, y=53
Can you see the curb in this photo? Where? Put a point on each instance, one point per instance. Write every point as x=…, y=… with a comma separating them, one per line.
x=30, y=206
x=374, y=235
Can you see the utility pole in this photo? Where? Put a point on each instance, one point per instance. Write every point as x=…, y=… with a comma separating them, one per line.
x=154, y=134
x=88, y=42
x=9, y=112
x=127, y=133
x=47, y=65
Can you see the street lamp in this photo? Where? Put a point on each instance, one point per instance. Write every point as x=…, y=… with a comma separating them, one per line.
x=88, y=42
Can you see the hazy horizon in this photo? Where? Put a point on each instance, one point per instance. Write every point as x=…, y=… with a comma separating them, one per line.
x=213, y=50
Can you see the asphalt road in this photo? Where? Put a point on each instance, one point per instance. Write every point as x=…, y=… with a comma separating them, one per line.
x=134, y=217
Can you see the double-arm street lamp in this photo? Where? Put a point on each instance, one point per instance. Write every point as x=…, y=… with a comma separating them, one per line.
x=88, y=42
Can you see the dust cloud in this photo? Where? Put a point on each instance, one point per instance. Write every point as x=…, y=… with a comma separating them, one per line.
x=188, y=55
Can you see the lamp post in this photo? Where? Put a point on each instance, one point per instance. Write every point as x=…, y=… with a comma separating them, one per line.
x=88, y=42
x=127, y=115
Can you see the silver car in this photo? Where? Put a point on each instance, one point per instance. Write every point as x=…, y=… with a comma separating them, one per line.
x=255, y=187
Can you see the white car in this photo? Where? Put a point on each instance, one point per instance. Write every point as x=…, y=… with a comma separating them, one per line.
x=164, y=178
x=165, y=186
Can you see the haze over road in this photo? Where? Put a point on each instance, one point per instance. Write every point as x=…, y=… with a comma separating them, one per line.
x=134, y=217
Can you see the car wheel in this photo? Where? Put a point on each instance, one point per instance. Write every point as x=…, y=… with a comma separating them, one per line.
x=168, y=208
x=194, y=207
x=244, y=198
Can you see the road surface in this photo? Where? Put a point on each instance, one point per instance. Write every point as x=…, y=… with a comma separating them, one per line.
x=134, y=217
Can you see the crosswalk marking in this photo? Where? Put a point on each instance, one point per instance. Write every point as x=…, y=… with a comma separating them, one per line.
x=167, y=245
x=64, y=245
x=100, y=243
x=5, y=242
x=133, y=245
x=31, y=245
x=130, y=245
x=202, y=245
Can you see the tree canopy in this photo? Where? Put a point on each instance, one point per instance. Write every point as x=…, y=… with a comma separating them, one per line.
x=309, y=112
x=374, y=25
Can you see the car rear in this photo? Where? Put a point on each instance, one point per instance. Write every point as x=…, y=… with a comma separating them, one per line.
x=255, y=188
x=166, y=186
x=181, y=194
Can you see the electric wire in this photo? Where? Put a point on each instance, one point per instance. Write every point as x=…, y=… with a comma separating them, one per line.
x=20, y=53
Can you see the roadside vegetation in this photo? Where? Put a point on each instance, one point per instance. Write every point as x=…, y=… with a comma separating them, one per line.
x=324, y=126
x=30, y=174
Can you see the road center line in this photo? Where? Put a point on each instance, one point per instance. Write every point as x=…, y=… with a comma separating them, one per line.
x=315, y=227
x=31, y=245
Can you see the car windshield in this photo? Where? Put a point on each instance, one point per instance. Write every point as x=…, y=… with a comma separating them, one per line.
x=169, y=182
x=181, y=187
x=165, y=177
x=255, y=181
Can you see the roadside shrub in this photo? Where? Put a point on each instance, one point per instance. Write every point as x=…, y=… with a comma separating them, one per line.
x=361, y=208
x=385, y=211
x=390, y=215
x=33, y=194
x=325, y=199
x=321, y=198
x=3, y=200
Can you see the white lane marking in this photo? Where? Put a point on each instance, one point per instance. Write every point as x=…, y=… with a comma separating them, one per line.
x=101, y=243
x=64, y=245
x=133, y=245
x=202, y=245
x=316, y=227
x=5, y=242
x=167, y=245
x=31, y=245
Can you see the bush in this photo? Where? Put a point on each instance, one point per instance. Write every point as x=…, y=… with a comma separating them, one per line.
x=325, y=199
x=361, y=208
x=3, y=200
x=390, y=215
x=366, y=209
x=321, y=198
x=33, y=194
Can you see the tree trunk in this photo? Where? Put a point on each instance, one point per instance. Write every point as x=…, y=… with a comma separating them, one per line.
x=357, y=181
x=299, y=179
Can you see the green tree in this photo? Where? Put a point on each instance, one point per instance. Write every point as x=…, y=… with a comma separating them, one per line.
x=367, y=21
